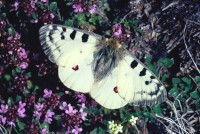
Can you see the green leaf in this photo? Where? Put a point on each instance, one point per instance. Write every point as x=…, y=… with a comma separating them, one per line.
x=194, y=95
x=18, y=98
x=197, y=79
x=7, y=77
x=3, y=15
x=176, y=81
x=148, y=59
x=34, y=15
x=29, y=84
x=57, y=117
x=68, y=22
x=157, y=109
x=174, y=92
x=53, y=6
x=11, y=31
x=81, y=17
x=28, y=74
x=134, y=21
x=45, y=125
x=20, y=124
x=166, y=62
x=10, y=101
x=187, y=80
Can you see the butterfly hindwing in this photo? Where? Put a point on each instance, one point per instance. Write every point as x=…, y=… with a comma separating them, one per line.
x=138, y=85
x=105, y=92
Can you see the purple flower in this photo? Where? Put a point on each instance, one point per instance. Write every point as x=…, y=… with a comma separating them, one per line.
x=21, y=110
x=76, y=130
x=93, y=9
x=22, y=105
x=4, y=108
x=23, y=65
x=83, y=114
x=117, y=30
x=37, y=114
x=47, y=93
x=22, y=53
x=2, y=119
x=77, y=8
x=16, y=5
x=63, y=106
x=81, y=97
x=70, y=110
x=48, y=116
x=11, y=123
x=44, y=131
x=39, y=106
x=44, y=1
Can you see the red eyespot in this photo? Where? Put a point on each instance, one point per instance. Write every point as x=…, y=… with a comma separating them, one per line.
x=116, y=89
x=75, y=68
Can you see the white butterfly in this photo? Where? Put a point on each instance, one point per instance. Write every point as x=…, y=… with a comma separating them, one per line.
x=89, y=63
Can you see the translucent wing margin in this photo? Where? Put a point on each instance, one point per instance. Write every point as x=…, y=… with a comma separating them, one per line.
x=137, y=84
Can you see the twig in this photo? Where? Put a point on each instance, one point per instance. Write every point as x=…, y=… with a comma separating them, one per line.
x=126, y=16
x=170, y=5
x=187, y=48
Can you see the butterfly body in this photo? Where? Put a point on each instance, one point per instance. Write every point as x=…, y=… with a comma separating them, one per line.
x=90, y=63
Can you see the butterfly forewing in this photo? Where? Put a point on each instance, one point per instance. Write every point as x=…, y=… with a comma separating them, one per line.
x=66, y=46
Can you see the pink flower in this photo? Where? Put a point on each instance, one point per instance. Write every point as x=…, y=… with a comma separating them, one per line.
x=4, y=108
x=16, y=5
x=83, y=114
x=93, y=9
x=37, y=114
x=44, y=131
x=70, y=110
x=22, y=53
x=48, y=116
x=23, y=65
x=77, y=8
x=11, y=123
x=117, y=30
x=47, y=93
x=21, y=110
x=3, y=119
x=76, y=130
x=39, y=106
x=63, y=106
x=44, y=1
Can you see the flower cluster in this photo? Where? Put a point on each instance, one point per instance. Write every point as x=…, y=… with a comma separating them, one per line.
x=16, y=55
x=9, y=114
x=121, y=33
x=72, y=118
x=81, y=6
x=115, y=128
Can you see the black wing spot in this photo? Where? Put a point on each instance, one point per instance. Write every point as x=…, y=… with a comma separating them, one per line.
x=85, y=37
x=147, y=82
x=143, y=72
x=152, y=77
x=73, y=35
x=134, y=64
x=62, y=36
x=64, y=29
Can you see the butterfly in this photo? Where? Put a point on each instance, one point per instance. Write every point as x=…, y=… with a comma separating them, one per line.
x=90, y=63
